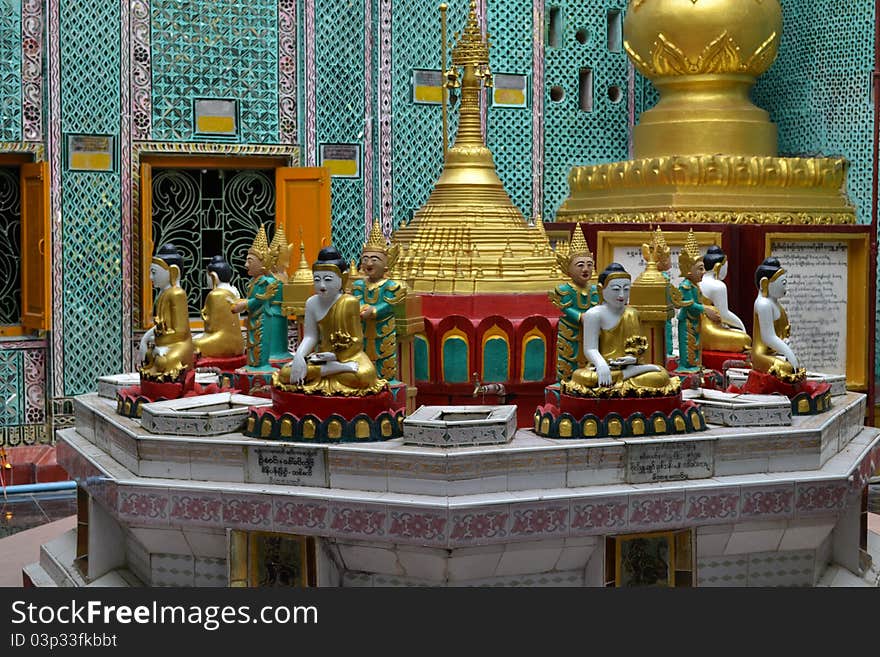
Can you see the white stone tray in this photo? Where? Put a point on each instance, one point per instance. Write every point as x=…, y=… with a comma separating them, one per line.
x=202, y=415
x=731, y=410
x=460, y=426
x=108, y=385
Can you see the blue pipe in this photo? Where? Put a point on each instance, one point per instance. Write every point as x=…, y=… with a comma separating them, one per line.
x=40, y=488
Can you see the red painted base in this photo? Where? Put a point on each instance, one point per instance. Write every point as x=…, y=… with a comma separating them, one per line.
x=130, y=400
x=222, y=364
x=565, y=416
x=318, y=418
x=807, y=397
x=721, y=360
x=255, y=384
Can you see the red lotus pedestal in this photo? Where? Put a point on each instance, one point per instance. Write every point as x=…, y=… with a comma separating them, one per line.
x=130, y=400
x=567, y=416
x=807, y=397
x=318, y=418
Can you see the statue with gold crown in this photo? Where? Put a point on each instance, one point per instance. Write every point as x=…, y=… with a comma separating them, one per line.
x=691, y=307
x=378, y=296
x=266, y=323
x=330, y=390
x=775, y=366
x=221, y=345
x=573, y=298
x=616, y=393
x=166, y=349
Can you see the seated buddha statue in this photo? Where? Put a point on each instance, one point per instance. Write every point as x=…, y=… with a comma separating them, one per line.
x=573, y=298
x=378, y=295
x=166, y=349
x=613, y=345
x=730, y=333
x=330, y=358
x=222, y=337
x=770, y=353
x=266, y=323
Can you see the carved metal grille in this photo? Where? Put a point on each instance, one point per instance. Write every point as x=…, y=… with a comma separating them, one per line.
x=509, y=130
x=646, y=94
x=211, y=212
x=417, y=147
x=10, y=246
x=571, y=135
x=11, y=403
x=10, y=70
x=217, y=49
x=339, y=47
x=91, y=227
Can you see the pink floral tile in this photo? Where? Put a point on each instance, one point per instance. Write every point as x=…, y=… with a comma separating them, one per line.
x=192, y=508
x=242, y=511
x=650, y=511
x=420, y=526
x=299, y=514
x=539, y=520
x=144, y=505
x=479, y=526
x=598, y=515
x=365, y=521
x=767, y=501
x=821, y=497
x=866, y=469
x=720, y=505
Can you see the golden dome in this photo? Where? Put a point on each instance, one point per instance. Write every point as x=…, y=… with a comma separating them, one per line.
x=694, y=37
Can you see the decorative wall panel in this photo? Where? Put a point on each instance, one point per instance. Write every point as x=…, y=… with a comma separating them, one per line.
x=10, y=70
x=573, y=135
x=340, y=96
x=219, y=49
x=90, y=201
x=10, y=246
x=509, y=133
x=22, y=391
x=32, y=29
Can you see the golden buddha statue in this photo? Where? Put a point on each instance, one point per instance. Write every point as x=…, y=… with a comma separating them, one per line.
x=728, y=334
x=166, y=349
x=770, y=353
x=222, y=337
x=614, y=344
x=330, y=359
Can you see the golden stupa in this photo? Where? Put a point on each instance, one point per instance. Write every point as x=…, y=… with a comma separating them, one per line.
x=469, y=236
x=705, y=153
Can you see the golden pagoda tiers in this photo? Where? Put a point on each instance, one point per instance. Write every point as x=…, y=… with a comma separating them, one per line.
x=705, y=153
x=469, y=236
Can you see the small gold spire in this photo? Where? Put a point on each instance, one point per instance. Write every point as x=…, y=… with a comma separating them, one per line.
x=690, y=254
x=303, y=273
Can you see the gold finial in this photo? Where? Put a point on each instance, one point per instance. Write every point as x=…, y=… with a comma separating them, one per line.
x=260, y=248
x=303, y=273
x=376, y=242
x=280, y=253
x=471, y=48
x=657, y=251
x=690, y=254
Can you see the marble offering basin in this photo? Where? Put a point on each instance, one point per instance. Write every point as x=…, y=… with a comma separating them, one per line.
x=201, y=415
x=460, y=426
x=110, y=384
x=732, y=410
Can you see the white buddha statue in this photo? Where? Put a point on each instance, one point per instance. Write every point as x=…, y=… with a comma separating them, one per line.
x=730, y=333
x=332, y=327
x=613, y=346
x=771, y=353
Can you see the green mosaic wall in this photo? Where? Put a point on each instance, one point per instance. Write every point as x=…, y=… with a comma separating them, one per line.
x=417, y=145
x=509, y=132
x=572, y=135
x=215, y=49
x=10, y=70
x=339, y=48
x=11, y=388
x=91, y=226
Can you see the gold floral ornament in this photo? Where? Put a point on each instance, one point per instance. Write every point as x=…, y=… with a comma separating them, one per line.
x=262, y=250
x=690, y=254
x=636, y=345
x=657, y=250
